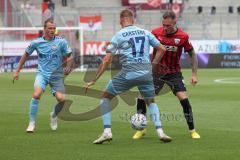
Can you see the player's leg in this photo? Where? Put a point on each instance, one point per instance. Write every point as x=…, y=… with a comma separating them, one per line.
x=105, y=106
x=141, y=108
x=56, y=109
x=188, y=114
x=158, y=84
x=39, y=87
x=147, y=91
x=141, y=105
x=58, y=90
x=115, y=86
x=155, y=117
x=180, y=91
x=60, y=97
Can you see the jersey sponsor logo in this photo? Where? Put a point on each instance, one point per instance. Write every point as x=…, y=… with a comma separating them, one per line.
x=177, y=41
x=54, y=47
x=171, y=48
x=59, y=37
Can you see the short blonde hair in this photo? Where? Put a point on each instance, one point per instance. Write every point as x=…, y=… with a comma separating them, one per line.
x=126, y=13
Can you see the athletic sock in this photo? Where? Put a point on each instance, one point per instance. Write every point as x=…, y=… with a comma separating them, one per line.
x=160, y=132
x=107, y=130
x=105, y=106
x=187, y=110
x=141, y=106
x=33, y=109
x=155, y=115
x=57, y=108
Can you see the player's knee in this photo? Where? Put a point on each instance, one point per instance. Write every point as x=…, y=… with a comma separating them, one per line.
x=36, y=95
x=181, y=95
x=37, y=92
x=60, y=98
x=107, y=95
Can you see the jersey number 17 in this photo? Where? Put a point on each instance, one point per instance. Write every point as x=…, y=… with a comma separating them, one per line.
x=137, y=40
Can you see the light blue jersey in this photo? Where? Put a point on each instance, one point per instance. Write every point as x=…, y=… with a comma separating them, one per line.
x=50, y=54
x=140, y=41
x=132, y=45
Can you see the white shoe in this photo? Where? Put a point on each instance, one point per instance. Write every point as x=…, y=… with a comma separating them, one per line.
x=53, y=122
x=31, y=127
x=162, y=136
x=165, y=138
x=104, y=137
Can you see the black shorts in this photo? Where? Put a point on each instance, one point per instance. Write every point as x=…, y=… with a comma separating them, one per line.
x=169, y=82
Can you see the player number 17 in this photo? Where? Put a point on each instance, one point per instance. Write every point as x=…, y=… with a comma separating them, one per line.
x=133, y=41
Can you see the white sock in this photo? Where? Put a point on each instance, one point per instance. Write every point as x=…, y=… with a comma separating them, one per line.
x=107, y=130
x=160, y=132
x=32, y=123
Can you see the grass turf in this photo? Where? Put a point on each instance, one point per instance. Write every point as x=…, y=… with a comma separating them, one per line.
x=216, y=115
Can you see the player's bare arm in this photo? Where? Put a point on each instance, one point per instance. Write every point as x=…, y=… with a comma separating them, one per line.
x=20, y=64
x=159, y=54
x=69, y=63
x=194, y=66
x=101, y=69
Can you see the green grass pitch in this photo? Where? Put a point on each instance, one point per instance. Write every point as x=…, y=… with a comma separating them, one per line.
x=216, y=112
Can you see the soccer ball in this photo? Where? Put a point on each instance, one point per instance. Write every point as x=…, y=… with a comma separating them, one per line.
x=139, y=121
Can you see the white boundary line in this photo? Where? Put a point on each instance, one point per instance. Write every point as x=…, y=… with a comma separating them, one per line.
x=232, y=80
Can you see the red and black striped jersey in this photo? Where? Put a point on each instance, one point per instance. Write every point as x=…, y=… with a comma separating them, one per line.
x=174, y=44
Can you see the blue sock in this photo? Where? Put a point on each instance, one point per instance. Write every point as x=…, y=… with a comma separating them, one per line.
x=33, y=109
x=106, y=112
x=57, y=108
x=155, y=115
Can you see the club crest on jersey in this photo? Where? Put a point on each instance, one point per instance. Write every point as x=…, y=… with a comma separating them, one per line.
x=54, y=47
x=177, y=40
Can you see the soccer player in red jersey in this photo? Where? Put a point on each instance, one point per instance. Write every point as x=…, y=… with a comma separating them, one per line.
x=168, y=70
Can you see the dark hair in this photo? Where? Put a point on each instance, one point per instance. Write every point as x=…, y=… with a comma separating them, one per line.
x=48, y=21
x=169, y=14
x=126, y=13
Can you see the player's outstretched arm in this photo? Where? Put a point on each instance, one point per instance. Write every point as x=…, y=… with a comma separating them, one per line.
x=194, y=65
x=101, y=69
x=106, y=61
x=20, y=64
x=159, y=54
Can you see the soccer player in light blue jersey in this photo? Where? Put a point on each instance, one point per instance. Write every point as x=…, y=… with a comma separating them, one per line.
x=132, y=45
x=51, y=51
